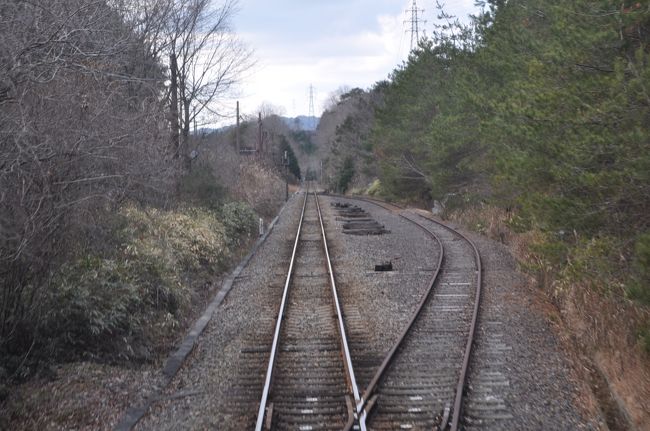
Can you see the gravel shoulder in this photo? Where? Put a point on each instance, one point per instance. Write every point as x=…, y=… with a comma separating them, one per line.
x=525, y=352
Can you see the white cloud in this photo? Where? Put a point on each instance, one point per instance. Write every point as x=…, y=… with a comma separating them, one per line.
x=284, y=73
x=359, y=59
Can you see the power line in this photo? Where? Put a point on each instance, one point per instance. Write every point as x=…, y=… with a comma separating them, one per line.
x=415, y=23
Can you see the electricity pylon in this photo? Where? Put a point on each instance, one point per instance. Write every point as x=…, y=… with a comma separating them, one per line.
x=312, y=113
x=415, y=23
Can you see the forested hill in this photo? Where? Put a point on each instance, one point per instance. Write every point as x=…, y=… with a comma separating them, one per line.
x=540, y=111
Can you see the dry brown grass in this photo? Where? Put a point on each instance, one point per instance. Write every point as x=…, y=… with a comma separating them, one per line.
x=252, y=179
x=606, y=330
x=260, y=186
x=83, y=396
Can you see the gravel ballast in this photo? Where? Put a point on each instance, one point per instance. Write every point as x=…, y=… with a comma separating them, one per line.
x=217, y=386
x=519, y=369
x=198, y=397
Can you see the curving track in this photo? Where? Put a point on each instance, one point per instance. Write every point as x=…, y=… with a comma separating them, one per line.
x=421, y=383
x=309, y=379
x=301, y=376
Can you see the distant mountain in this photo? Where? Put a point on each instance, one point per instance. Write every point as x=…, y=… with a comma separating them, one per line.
x=302, y=122
x=208, y=130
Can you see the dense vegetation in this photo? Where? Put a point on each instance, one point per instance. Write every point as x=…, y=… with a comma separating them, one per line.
x=541, y=108
x=344, y=130
x=289, y=158
x=125, y=302
x=100, y=218
x=344, y=176
x=303, y=138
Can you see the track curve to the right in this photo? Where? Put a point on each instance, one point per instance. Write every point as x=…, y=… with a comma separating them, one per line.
x=422, y=381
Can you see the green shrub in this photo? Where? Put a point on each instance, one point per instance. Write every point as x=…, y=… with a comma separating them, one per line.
x=240, y=222
x=345, y=175
x=184, y=240
x=95, y=303
x=112, y=303
x=550, y=253
x=200, y=187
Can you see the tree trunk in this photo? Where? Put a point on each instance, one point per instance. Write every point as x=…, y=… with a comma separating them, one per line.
x=185, y=147
x=173, y=106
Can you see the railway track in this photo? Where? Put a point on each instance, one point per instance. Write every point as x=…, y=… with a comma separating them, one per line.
x=303, y=378
x=309, y=382
x=309, y=379
x=422, y=381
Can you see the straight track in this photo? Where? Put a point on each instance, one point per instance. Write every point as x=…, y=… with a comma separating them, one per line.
x=309, y=382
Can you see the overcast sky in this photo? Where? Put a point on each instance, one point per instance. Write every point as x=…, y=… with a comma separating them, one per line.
x=327, y=43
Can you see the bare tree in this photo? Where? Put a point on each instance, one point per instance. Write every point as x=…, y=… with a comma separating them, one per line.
x=85, y=89
x=205, y=60
x=149, y=20
x=268, y=109
x=335, y=97
x=81, y=122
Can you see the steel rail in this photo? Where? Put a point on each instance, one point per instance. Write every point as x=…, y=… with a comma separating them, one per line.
x=278, y=326
x=344, y=341
x=462, y=379
x=368, y=393
x=372, y=386
x=350, y=378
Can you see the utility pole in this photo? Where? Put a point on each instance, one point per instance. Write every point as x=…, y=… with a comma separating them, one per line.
x=285, y=162
x=415, y=23
x=237, y=130
x=312, y=113
x=173, y=112
x=259, y=134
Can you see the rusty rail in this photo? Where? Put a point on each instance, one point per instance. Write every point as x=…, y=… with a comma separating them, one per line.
x=259, y=425
x=369, y=392
x=462, y=379
x=368, y=399
x=263, y=417
x=352, y=383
